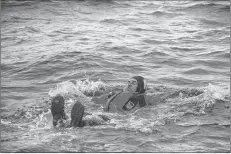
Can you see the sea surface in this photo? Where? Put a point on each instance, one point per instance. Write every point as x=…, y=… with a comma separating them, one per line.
x=182, y=48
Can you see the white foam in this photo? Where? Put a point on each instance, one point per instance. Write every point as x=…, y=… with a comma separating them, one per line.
x=5, y=122
x=217, y=92
x=45, y=121
x=77, y=88
x=64, y=88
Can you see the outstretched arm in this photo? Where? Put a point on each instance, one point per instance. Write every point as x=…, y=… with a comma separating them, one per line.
x=99, y=99
x=105, y=95
x=152, y=99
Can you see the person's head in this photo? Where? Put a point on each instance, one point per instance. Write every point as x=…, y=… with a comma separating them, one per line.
x=137, y=84
x=57, y=109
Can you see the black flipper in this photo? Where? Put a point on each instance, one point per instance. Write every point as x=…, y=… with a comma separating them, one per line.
x=57, y=109
x=77, y=112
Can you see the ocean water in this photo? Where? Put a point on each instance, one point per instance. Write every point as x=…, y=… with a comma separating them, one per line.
x=182, y=48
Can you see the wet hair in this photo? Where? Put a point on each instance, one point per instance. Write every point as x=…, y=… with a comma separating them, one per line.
x=141, y=88
x=137, y=99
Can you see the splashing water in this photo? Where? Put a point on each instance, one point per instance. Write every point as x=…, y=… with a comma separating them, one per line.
x=179, y=105
x=179, y=102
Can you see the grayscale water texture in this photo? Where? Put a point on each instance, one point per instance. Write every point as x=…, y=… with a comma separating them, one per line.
x=182, y=48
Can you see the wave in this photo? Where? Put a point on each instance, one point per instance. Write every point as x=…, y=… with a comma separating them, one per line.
x=216, y=6
x=187, y=48
x=198, y=71
x=216, y=54
x=6, y=3
x=16, y=19
x=213, y=63
x=112, y=21
x=20, y=18
x=31, y=29
x=212, y=22
x=65, y=31
x=159, y=13
x=174, y=62
x=140, y=29
x=225, y=39
x=153, y=41
x=224, y=55
x=225, y=8
x=154, y=54
x=48, y=65
x=208, y=4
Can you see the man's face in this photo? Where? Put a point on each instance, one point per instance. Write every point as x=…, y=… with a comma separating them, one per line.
x=132, y=85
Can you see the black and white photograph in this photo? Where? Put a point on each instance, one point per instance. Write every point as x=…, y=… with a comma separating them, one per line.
x=115, y=76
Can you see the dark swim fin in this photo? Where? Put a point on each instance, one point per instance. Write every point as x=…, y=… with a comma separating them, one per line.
x=57, y=110
x=77, y=112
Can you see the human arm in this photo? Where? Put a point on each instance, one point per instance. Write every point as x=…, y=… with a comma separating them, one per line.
x=103, y=98
x=152, y=99
x=99, y=99
x=105, y=95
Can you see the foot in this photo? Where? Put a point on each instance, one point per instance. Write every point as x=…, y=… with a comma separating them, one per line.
x=57, y=110
x=77, y=112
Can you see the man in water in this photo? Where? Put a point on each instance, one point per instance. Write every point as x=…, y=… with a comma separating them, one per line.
x=133, y=96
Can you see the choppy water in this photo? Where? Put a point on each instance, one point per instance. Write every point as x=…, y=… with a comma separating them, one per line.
x=181, y=47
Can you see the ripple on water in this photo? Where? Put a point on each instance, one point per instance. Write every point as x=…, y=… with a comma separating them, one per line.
x=183, y=44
